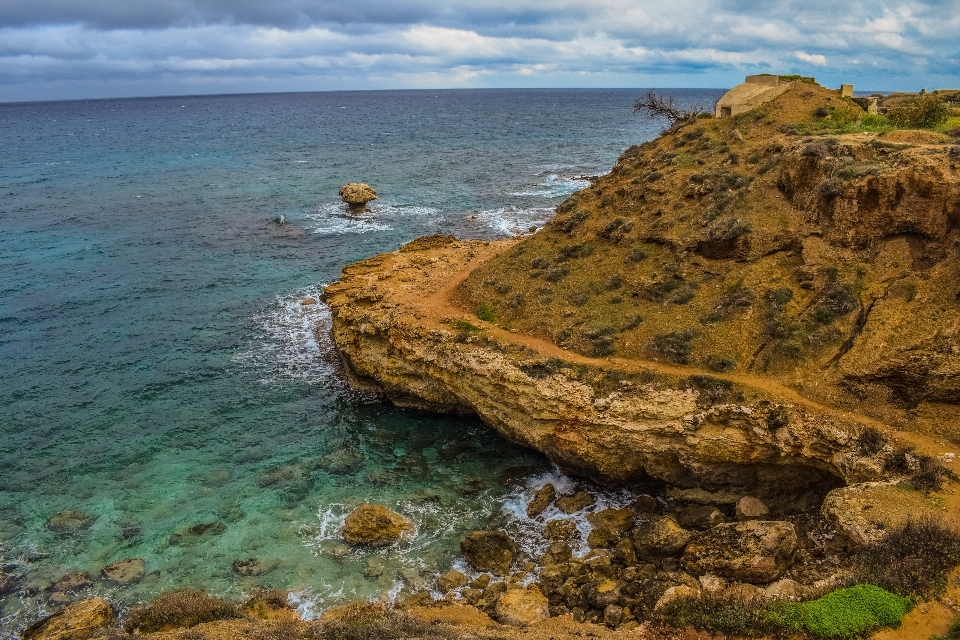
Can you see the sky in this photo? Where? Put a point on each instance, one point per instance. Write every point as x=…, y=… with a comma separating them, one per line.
x=65, y=49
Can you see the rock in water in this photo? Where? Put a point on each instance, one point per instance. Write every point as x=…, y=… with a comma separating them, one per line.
x=541, y=500
x=749, y=508
x=375, y=526
x=72, y=582
x=491, y=551
x=70, y=521
x=520, y=607
x=452, y=579
x=79, y=621
x=559, y=529
x=123, y=572
x=574, y=503
x=357, y=194
x=756, y=552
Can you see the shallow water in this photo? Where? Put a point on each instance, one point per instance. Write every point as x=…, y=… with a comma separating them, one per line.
x=159, y=371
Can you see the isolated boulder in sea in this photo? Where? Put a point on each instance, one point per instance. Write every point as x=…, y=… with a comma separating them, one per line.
x=491, y=551
x=123, y=572
x=541, y=500
x=375, y=526
x=755, y=551
x=357, y=194
x=70, y=521
x=520, y=607
x=78, y=621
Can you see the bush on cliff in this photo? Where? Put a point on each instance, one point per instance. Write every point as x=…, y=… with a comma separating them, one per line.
x=845, y=613
x=921, y=112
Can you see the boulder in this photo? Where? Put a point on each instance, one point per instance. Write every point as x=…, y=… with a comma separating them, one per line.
x=481, y=582
x=452, y=579
x=375, y=526
x=656, y=536
x=608, y=526
x=602, y=593
x=577, y=502
x=491, y=551
x=79, y=621
x=785, y=589
x=756, y=551
x=750, y=508
x=612, y=616
x=520, y=607
x=646, y=504
x=70, y=521
x=541, y=500
x=557, y=553
x=357, y=194
x=673, y=594
x=700, y=516
x=711, y=583
x=559, y=529
x=123, y=572
x=9, y=582
x=863, y=513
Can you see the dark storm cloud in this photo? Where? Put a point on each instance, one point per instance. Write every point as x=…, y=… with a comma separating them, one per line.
x=50, y=48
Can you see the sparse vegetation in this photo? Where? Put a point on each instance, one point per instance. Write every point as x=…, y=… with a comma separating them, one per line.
x=375, y=621
x=665, y=107
x=920, y=112
x=486, y=312
x=674, y=346
x=718, y=612
x=179, y=609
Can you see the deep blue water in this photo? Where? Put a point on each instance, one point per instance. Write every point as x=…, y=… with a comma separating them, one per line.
x=158, y=370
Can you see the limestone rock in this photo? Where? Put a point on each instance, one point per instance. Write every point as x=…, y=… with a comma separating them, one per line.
x=785, y=589
x=602, y=593
x=452, y=579
x=559, y=529
x=124, y=572
x=520, y=607
x=70, y=521
x=655, y=536
x=711, y=583
x=756, y=551
x=357, y=194
x=557, y=553
x=676, y=593
x=646, y=504
x=864, y=512
x=577, y=502
x=700, y=516
x=79, y=621
x=375, y=526
x=749, y=508
x=491, y=551
x=609, y=526
x=541, y=500
x=612, y=615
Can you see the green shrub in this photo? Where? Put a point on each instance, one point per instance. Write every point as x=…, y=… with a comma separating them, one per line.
x=179, y=609
x=845, y=613
x=912, y=560
x=674, y=346
x=486, y=312
x=921, y=112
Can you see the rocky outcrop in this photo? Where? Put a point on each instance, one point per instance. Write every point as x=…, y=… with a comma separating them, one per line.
x=79, y=621
x=520, y=607
x=375, y=526
x=755, y=552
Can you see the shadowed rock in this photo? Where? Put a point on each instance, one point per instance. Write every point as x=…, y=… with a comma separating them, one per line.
x=491, y=551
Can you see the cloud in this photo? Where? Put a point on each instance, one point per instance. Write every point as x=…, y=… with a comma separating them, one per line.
x=82, y=48
x=816, y=58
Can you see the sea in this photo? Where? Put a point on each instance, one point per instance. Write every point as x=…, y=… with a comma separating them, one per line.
x=163, y=383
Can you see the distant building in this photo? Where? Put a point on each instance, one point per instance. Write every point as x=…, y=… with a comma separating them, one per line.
x=755, y=91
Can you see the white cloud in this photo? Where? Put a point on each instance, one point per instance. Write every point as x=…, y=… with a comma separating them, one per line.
x=815, y=58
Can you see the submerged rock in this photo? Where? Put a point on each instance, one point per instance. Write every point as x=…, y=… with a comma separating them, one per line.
x=72, y=582
x=70, y=521
x=577, y=502
x=375, y=526
x=124, y=572
x=253, y=567
x=357, y=194
x=78, y=621
x=197, y=533
x=520, y=607
x=491, y=551
x=541, y=500
x=756, y=552
x=9, y=581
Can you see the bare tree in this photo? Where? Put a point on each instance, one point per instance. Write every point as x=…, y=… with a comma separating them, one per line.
x=657, y=106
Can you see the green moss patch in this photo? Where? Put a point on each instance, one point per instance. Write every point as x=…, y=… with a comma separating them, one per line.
x=846, y=613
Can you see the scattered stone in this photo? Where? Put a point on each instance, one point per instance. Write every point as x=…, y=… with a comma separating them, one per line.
x=700, y=516
x=252, y=567
x=608, y=526
x=72, y=582
x=520, y=607
x=657, y=536
x=197, y=533
x=357, y=194
x=78, y=621
x=491, y=551
x=70, y=521
x=750, y=508
x=612, y=616
x=646, y=504
x=541, y=500
x=124, y=572
x=577, y=502
x=756, y=551
x=375, y=526
x=785, y=589
x=452, y=579
x=676, y=593
x=559, y=529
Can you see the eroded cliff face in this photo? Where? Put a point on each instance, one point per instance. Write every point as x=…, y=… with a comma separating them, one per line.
x=711, y=438
x=733, y=310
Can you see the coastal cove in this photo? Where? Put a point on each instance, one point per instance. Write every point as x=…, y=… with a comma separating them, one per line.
x=164, y=383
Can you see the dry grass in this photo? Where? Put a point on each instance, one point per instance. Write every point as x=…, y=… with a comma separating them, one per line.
x=179, y=609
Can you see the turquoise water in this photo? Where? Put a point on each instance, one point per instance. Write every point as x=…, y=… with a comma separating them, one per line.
x=159, y=371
